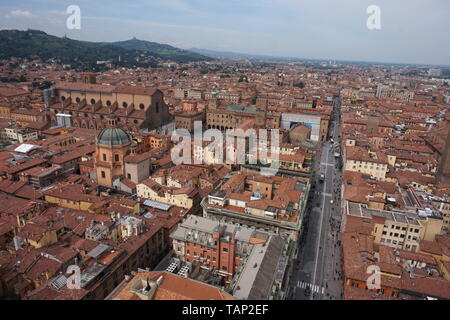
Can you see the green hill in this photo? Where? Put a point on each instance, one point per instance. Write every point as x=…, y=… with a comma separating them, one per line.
x=83, y=55
x=163, y=50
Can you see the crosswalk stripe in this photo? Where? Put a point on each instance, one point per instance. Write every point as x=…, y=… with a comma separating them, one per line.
x=312, y=287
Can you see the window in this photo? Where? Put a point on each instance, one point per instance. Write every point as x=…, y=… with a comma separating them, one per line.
x=116, y=157
x=128, y=176
x=108, y=103
x=103, y=174
x=141, y=106
x=63, y=98
x=224, y=268
x=78, y=100
x=125, y=104
x=225, y=249
x=104, y=157
x=157, y=107
x=92, y=101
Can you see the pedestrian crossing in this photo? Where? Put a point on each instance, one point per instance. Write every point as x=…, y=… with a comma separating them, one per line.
x=327, y=164
x=314, y=288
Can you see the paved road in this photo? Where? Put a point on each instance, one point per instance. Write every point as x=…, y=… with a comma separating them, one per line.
x=316, y=274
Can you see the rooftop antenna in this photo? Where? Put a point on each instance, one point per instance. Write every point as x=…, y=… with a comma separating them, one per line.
x=147, y=288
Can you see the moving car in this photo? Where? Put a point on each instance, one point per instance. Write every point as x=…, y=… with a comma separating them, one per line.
x=321, y=177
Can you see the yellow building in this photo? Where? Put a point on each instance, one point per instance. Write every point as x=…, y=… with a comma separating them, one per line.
x=180, y=197
x=359, y=159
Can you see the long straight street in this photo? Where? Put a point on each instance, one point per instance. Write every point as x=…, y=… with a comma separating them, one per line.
x=317, y=269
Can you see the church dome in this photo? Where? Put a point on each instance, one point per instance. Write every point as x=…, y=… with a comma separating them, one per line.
x=113, y=137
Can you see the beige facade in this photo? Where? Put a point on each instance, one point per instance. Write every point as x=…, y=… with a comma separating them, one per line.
x=182, y=200
x=137, y=171
x=19, y=135
x=186, y=120
x=375, y=169
x=444, y=207
x=400, y=230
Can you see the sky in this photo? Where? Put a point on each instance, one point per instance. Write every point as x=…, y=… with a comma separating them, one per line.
x=412, y=31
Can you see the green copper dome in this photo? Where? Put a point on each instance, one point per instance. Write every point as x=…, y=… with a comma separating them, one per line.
x=113, y=136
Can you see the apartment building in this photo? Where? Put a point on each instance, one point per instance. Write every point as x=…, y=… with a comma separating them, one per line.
x=384, y=91
x=373, y=163
x=188, y=93
x=234, y=115
x=273, y=204
x=186, y=119
x=443, y=205
x=223, y=95
x=396, y=229
x=20, y=135
x=404, y=275
x=187, y=197
x=246, y=258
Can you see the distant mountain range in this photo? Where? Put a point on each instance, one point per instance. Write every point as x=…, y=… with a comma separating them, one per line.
x=84, y=55
x=227, y=55
x=163, y=50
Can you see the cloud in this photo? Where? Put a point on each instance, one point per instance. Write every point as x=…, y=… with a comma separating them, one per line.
x=197, y=28
x=178, y=5
x=21, y=13
x=57, y=12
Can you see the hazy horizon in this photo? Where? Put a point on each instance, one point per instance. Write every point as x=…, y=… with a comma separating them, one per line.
x=412, y=32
